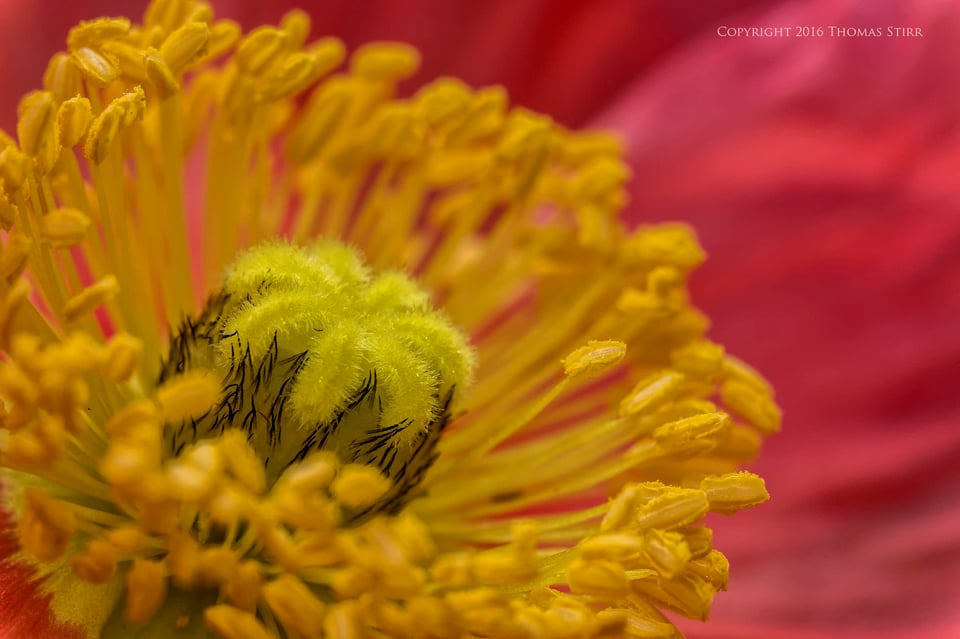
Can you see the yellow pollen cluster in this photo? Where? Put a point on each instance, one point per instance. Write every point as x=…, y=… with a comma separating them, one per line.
x=566, y=494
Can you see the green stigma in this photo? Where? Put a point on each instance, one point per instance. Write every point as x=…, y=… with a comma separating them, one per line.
x=316, y=352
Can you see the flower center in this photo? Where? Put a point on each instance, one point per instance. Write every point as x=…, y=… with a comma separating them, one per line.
x=316, y=353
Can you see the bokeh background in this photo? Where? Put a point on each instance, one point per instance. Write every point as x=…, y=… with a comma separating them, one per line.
x=823, y=177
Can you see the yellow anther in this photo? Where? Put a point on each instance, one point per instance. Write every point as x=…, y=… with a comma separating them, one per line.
x=328, y=53
x=501, y=566
x=121, y=357
x=414, y=536
x=97, y=294
x=699, y=539
x=675, y=507
x=189, y=395
x=63, y=228
x=161, y=76
x=230, y=623
x=46, y=525
x=98, y=564
x=200, y=12
x=129, y=539
x=714, y=567
x=597, y=227
x=643, y=626
x=102, y=133
x=432, y=616
x=735, y=370
x=663, y=281
x=321, y=119
x=385, y=61
x=124, y=465
x=312, y=474
x=146, y=590
x=679, y=433
x=453, y=570
x=701, y=359
x=129, y=59
x=99, y=67
x=14, y=298
x=242, y=461
x=591, y=145
x=688, y=595
x=668, y=551
x=622, y=508
x=73, y=119
x=569, y=617
x=62, y=77
x=442, y=101
x=13, y=168
x=734, y=491
x=594, y=359
x=344, y=621
x=132, y=104
x=741, y=443
x=598, y=577
x=224, y=34
x=296, y=24
x=260, y=50
x=487, y=116
x=280, y=546
x=191, y=483
x=183, y=560
x=527, y=135
x=230, y=504
x=296, y=72
x=216, y=565
x=14, y=257
x=668, y=244
x=651, y=392
x=353, y=581
x=25, y=450
x=600, y=180
x=452, y=167
x=135, y=414
x=36, y=122
x=93, y=33
x=755, y=406
x=17, y=387
x=183, y=46
x=243, y=588
x=644, y=304
x=357, y=486
x=616, y=546
x=295, y=606
x=165, y=15
x=8, y=210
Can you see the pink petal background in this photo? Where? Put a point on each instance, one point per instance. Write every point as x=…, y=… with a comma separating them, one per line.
x=821, y=174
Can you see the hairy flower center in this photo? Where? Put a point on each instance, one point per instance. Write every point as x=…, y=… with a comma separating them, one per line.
x=315, y=353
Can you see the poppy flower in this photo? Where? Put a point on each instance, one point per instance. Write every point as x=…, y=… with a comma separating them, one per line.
x=495, y=414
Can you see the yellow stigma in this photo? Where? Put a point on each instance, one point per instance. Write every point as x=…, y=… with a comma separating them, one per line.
x=317, y=353
x=238, y=280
